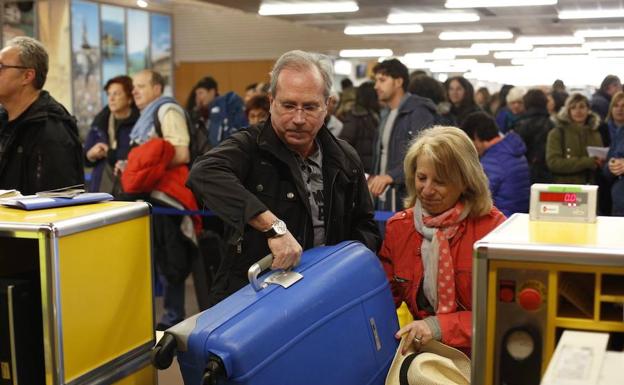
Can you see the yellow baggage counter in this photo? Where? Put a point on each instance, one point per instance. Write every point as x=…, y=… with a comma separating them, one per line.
x=535, y=279
x=95, y=273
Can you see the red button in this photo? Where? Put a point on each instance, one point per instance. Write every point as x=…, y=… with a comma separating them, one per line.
x=506, y=294
x=530, y=299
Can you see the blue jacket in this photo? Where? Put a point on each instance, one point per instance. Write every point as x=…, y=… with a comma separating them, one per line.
x=415, y=114
x=616, y=150
x=508, y=172
x=227, y=115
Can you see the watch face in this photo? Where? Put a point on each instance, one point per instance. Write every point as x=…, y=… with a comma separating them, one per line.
x=280, y=227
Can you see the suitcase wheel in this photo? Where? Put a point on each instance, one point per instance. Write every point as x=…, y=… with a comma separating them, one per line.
x=164, y=351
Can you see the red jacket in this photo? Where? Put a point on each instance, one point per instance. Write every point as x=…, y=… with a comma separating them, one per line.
x=147, y=171
x=401, y=259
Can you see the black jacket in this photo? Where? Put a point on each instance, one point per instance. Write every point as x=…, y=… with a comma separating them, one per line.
x=533, y=127
x=41, y=150
x=361, y=128
x=253, y=171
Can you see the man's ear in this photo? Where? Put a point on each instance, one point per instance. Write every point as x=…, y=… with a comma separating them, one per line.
x=29, y=76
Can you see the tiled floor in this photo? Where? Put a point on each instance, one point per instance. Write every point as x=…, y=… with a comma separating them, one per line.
x=172, y=375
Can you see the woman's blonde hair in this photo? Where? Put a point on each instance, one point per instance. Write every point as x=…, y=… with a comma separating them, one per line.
x=615, y=99
x=456, y=162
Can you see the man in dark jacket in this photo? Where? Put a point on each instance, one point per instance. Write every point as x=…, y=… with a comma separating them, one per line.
x=39, y=144
x=533, y=127
x=287, y=185
x=406, y=115
x=602, y=98
x=504, y=163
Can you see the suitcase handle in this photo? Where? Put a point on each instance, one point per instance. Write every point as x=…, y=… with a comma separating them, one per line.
x=256, y=269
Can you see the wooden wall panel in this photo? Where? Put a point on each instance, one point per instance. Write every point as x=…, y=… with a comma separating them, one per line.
x=230, y=75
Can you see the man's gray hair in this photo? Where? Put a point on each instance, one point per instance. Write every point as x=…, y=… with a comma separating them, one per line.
x=301, y=60
x=32, y=54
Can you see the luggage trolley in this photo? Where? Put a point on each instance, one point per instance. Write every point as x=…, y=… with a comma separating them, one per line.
x=76, y=304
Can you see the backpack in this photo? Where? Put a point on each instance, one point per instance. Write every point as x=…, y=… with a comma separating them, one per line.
x=227, y=115
x=199, y=141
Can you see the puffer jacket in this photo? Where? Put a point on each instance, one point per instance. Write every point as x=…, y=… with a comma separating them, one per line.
x=360, y=129
x=147, y=171
x=401, y=259
x=566, y=149
x=507, y=170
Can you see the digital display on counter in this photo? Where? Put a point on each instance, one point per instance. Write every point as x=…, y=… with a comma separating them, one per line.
x=546, y=196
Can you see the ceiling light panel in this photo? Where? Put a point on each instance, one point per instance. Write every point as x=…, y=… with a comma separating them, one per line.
x=463, y=51
x=608, y=53
x=610, y=44
x=591, y=14
x=475, y=35
x=502, y=46
x=496, y=3
x=518, y=54
x=550, y=40
x=397, y=17
x=382, y=29
x=562, y=50
x=365, y=52
x=600, y=32
x=279, y=8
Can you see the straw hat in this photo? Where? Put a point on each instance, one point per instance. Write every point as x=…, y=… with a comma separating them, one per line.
x=435, y=364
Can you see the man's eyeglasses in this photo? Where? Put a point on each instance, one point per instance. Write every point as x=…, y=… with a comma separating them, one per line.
x=311, y=110
x=3, y=66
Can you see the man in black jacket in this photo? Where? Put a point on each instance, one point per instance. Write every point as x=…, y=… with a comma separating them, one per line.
x=287, y=185
x=39, y=144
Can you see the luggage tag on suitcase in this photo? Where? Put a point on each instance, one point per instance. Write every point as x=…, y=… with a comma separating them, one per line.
x=283, y=278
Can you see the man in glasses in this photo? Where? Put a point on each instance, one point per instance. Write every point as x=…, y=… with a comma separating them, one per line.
x=39, y=144
x=286, y=185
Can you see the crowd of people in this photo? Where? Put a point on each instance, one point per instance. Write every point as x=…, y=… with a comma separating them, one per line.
x=450, y=161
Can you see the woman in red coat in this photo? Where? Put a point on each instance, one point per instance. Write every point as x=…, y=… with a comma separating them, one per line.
x=427, y=251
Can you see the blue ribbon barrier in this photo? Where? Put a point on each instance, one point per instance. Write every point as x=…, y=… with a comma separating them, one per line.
x=380, y=216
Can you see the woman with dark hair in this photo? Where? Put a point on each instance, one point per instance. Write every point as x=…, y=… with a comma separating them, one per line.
x=108, y=141
x=483, y=98
x=257, y=109
x=460, y=94
x=533, y=128
x=361, y=124
x=566, y=146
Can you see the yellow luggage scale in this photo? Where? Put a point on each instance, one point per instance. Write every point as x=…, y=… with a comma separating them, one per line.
x=533, y=279
x=94, y=269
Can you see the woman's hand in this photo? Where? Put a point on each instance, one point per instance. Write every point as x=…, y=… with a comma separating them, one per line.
x=97, y=152
x=417, y=331
x=616, y=166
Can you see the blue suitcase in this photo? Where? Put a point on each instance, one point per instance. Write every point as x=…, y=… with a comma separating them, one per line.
x=334, y=326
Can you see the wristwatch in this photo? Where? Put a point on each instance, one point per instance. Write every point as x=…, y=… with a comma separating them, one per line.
x=278, y=228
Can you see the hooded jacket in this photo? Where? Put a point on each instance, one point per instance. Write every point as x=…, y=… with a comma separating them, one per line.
x=507, y=170
x=566, y=149
x=40, y=150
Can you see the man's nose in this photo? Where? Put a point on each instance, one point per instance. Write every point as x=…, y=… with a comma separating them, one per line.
x=299, y=117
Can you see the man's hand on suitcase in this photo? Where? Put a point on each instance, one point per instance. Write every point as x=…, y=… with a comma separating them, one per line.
x=284, y=247
x=418, y=332
x=286, y=251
